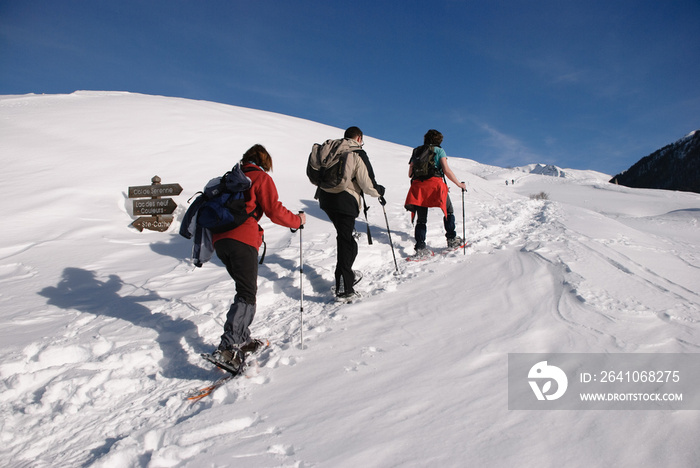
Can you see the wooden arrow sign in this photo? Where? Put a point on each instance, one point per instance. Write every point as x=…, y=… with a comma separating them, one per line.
x=155, y=190
x=153, y=223
x=154, y=206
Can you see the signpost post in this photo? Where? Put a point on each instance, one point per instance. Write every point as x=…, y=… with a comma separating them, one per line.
x=159, y=209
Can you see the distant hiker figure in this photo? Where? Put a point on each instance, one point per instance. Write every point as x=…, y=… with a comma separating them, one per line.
x=340, y=190
x=238, y=250
x=427, y=169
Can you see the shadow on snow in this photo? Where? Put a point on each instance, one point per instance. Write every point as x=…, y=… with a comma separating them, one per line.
x=80, y=290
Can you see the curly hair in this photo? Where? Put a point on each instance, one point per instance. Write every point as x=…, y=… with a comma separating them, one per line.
x=257, y=154
x=432, y=137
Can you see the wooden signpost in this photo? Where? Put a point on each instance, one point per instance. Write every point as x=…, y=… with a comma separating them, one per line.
x=160, y=209
x=155, y=206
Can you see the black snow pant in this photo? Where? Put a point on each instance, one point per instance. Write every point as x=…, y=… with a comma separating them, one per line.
x=241, y=261
x=347, y=250
x=421, y=229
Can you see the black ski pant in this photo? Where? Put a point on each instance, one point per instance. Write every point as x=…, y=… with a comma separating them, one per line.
x=347, y=250
x=241, y=261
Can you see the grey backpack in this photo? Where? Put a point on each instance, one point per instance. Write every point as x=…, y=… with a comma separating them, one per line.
x=326, y=166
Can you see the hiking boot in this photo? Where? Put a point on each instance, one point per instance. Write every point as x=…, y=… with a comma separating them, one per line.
x=357, y=278
x=349, y=297
x=424, y=252
x=455, y=242
x=251, y=346
x=231, y=357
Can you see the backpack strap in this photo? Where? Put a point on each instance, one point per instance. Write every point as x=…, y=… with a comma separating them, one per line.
x=434, y=163
x=438, y=169
x=262, y=258
x=257, y=211
x=252, y=168
x=370, y=171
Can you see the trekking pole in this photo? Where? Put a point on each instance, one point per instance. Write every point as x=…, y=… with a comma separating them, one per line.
x=464, y=224
x=301, y=283
x=388, y=231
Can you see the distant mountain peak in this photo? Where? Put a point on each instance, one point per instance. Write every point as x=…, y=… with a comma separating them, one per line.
x=548, y=169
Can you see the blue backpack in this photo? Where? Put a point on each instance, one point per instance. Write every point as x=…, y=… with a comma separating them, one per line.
x=220, y=207
x=223, y=207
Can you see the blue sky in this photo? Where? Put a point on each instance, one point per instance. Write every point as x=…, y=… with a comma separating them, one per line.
x=580, y=84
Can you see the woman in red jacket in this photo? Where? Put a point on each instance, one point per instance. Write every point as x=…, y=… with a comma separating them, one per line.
x=238, y=250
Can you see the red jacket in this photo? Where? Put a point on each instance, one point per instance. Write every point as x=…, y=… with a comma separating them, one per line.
x=263, y=199
x=431, y=192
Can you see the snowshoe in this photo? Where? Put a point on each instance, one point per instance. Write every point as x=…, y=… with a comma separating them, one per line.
x=349, y=297
x=420, y=255
x=455, y=243
x=230, y=360
x=252, y=346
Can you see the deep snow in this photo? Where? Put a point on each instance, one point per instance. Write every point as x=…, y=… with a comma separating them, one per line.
x=101, y=324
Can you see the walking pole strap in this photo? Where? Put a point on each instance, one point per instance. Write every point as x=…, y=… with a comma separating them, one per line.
x=369, y=234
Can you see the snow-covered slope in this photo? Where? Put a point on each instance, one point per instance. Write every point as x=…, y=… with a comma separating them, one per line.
x=101, y=324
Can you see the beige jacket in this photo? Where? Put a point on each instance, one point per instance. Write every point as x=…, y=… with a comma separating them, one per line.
x=357, y=179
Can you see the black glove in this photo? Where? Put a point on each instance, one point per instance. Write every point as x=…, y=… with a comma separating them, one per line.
x=382, y=201
x=381, y=189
